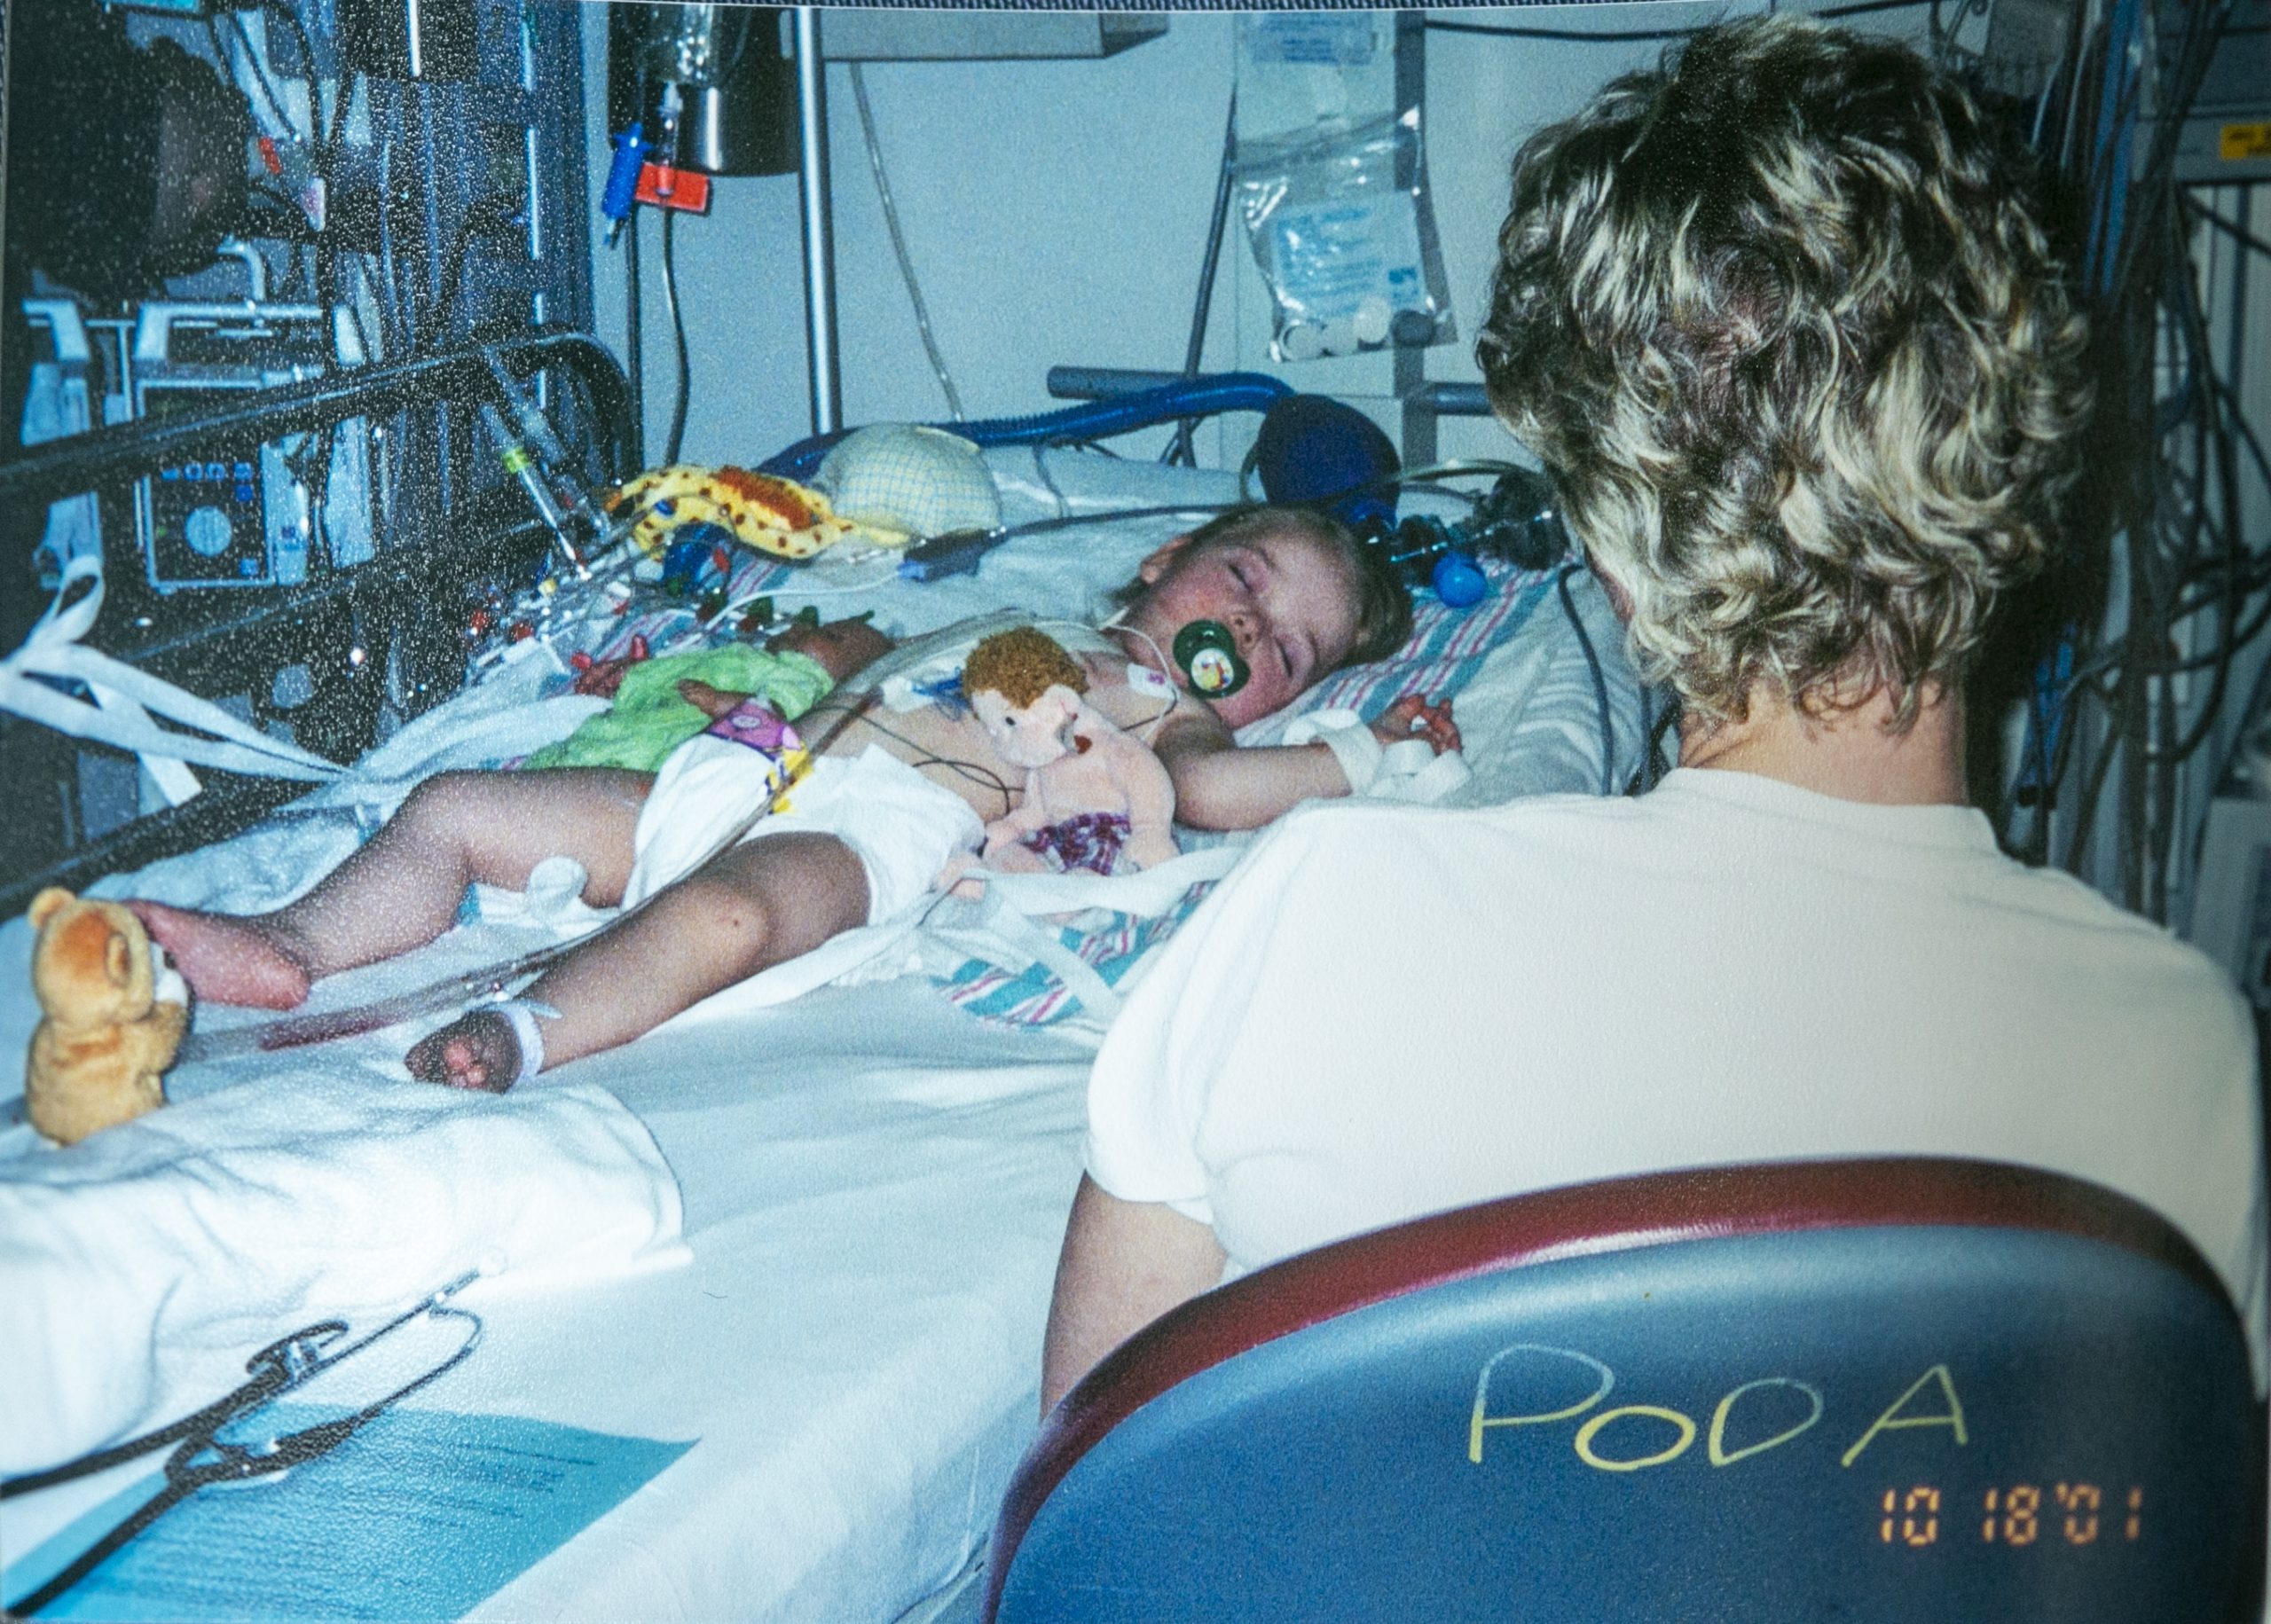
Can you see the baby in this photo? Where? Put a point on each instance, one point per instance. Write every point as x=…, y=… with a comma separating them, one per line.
x=660, y=704
x=893, y=799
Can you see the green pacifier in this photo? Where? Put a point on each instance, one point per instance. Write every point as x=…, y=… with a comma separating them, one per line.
x=1208, y=656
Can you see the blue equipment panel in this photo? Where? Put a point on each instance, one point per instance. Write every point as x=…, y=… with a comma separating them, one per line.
x=207, y=525
x=225, y=517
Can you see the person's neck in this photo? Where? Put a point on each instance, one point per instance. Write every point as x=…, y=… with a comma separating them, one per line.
x=1851, y=754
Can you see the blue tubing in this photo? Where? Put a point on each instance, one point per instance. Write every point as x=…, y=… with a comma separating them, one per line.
x=1092, y=421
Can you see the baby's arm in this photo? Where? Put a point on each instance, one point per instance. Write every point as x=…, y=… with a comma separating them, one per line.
x=1219, y=786
x=716, y=703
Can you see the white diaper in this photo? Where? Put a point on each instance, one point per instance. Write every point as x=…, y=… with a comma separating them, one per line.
x=903, y=827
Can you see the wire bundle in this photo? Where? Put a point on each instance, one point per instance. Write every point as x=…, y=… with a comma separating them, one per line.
x=2133, y=723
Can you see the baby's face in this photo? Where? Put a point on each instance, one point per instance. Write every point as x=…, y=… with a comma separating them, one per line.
x=1288, y=602
x=840, y=646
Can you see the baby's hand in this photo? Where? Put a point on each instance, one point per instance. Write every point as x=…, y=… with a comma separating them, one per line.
x=602, y=678
x=1413, y=716
x=841, y=647
x=716, y=703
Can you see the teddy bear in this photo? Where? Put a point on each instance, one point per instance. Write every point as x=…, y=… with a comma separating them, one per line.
x=1095, y=798
x=115, y=1015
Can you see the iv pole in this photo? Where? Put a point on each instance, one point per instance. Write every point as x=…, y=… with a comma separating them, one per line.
x=813, y=193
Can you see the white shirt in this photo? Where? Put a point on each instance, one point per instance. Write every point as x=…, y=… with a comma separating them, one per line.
x=1386, y=1012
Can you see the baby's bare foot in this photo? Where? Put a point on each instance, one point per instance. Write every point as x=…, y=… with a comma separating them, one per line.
x=226, y=959
x=477, y=1051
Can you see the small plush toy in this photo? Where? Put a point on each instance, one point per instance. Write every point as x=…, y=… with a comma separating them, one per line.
x=773, y=516
x=1096, y=798
x=116, y=1015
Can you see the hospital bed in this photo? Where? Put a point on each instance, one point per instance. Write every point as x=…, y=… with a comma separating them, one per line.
x=760, y=1325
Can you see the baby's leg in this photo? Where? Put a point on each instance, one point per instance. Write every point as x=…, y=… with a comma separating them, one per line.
x=751, y=906
x=403, y=889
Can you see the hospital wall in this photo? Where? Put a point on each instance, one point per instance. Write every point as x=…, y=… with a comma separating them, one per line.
x=1056, y=212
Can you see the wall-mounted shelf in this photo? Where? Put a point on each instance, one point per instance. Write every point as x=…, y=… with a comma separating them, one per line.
x=858, y=34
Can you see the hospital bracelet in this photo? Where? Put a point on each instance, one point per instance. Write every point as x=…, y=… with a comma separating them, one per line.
x=1358, y=750
x=520, y=1014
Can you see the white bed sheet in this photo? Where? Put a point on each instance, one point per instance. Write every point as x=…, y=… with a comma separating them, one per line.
x=875, y=1188
x=873, y=1184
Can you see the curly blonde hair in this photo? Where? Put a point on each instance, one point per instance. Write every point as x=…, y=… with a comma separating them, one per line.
x=1780, y=318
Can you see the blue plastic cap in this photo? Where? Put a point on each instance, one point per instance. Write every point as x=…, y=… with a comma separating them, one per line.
x=1459, y=582
x=622, y=191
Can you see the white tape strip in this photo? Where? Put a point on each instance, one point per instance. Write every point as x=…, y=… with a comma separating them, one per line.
x=122, y=714
x=520, y=1014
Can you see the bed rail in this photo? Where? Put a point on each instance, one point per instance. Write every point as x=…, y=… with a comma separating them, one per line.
x=64, y=468
x=215, y=642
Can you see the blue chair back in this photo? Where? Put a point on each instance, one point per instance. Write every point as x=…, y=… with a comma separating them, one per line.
x=1900, y=1389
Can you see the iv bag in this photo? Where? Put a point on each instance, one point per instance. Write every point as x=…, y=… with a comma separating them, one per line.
x=1342, y=227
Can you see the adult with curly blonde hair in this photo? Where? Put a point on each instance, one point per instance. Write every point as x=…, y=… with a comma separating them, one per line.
x=1820, y=415
x=1780, y=318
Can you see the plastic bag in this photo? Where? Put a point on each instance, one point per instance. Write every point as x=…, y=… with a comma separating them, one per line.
x=1343, y=228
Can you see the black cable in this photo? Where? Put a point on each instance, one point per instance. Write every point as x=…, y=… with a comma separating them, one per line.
x=101, y=1551
x=102, y=1460
x=2163, y=518
x=975, y=772
x=2201, y=37
x=2145, y=653
x=397, y=303
x=634, y=358
x=678, y=337
x=982, y=776
x=1658, y=730
x=446, y=297
x=323, y=136
x=1601, y=682
x=484, y=214
x=2232, y=229
x=2085, y=813
x=1864, y=6
x=2235, y=558
x=263, y=189
x=2226, y=646
x=259, y=74
x=1435, y=25
x=2257, y=697
x=1180, y=449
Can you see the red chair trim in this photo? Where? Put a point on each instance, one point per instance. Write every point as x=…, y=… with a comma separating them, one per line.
x=1575, y=1220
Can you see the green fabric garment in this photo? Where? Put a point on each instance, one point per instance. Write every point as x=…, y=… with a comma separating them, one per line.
x=649, y=719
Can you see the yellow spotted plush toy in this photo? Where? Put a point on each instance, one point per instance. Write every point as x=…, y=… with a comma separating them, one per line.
x=773, y=516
